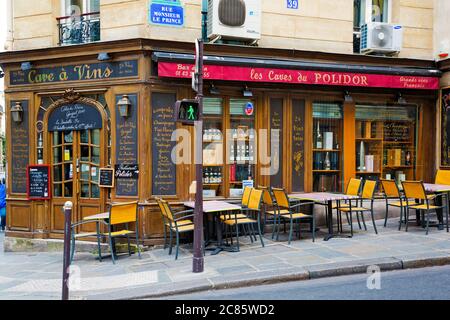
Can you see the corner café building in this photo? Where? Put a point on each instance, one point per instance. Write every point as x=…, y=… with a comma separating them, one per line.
x=333, y=111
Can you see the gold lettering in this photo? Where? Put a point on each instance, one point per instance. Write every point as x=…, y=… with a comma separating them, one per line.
x=31, y=76
x=108, y=72
x=63, y=75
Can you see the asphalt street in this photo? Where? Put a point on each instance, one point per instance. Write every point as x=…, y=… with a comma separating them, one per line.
x=417, y=284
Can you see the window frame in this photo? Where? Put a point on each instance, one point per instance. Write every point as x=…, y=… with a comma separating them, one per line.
x=368, y=10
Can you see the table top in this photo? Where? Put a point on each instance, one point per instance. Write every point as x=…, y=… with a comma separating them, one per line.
x=322, y=196
x=430, y=187
x=100, y=216
x=214, y=206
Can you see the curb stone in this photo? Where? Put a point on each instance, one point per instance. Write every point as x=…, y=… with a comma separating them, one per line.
x=273, y=277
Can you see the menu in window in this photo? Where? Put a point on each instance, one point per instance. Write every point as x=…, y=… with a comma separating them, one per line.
x=20, y=150
x=127, y=147
x=276, y=126
x=298, y=144
x=163, y=125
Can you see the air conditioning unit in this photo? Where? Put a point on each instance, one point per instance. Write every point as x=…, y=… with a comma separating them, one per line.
x=379, y=37
x=234, y=19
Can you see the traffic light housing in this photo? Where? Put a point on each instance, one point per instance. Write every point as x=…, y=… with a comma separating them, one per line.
x=187, y=111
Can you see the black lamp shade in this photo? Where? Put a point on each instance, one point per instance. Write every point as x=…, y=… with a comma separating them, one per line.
x=17, y=113
x=124, y=106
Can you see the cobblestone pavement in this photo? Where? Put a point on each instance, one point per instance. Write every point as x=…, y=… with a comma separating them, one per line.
x=38, y=275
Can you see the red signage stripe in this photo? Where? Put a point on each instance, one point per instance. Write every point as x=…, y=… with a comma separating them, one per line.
x=248, y=74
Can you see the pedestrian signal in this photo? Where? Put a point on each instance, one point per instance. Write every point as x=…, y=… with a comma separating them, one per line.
x=187, y=111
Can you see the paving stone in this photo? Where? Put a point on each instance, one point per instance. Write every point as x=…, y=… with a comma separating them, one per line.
x=243, y=268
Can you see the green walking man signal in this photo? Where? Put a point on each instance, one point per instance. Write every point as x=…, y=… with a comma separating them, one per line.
x=187, y=111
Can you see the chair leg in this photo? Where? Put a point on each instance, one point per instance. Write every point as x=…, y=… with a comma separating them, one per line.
x=348, y=220
x=373, y=221
x=278, y=228
x=359, y=221
x=99, y=247
x=72, y=249
x=401, y=219
x=170, y=242
x=314, y=228
x=165, y=236
x=447, y=216
x=291, y=229
x=237, y=237
x=260, y=233
x=111, y=247
x=129, y=245
x=406, y=218
x=178, y=246
x=428, y=222
x=351, y=222
x=137, y=243
x=387, y=214
x=364, y=221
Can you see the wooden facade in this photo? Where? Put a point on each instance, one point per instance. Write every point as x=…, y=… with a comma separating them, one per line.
x=44, y=219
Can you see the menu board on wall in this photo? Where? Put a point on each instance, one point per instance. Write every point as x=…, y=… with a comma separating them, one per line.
x=445, y=157
x=127, y=147
x=163, y=125
x=298, y=145
x=20, y=150
x=38, y=182
x=276, y=123
x=75, y=117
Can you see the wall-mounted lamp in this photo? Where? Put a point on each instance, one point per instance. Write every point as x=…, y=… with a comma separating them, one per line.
x=401, y=99
x=124, y=106
x=17, y=113
x=214, y=90
x=348, y=98
x=25, y=66
x=247, y=92
x=103, y=56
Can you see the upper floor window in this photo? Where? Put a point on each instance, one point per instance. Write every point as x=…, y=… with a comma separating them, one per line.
x=78, y=7
x=371, y=11
x=79, y=22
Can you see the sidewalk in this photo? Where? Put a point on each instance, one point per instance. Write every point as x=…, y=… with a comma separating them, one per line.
x=38, y=275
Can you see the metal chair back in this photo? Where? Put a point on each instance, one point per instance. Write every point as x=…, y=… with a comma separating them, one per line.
x=442, y=177
x=353, y=187
x=369, y=189
x=123, y=213
x=390, y=188
x=254, y=202
x=246, y=196
x=281, y=198
x=414, y=190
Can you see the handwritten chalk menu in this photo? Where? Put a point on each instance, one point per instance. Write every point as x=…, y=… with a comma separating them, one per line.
x=127, y=148
x=445, y=125
x=163, y=125
x=38, y=187
x=75, y=117
x=276, y=123
x=397, y=131
x=20, y=145
x=298, y=145
x=106, y=178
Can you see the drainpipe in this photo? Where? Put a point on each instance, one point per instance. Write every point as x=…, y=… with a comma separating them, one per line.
x=9, y=26
x=205, y=20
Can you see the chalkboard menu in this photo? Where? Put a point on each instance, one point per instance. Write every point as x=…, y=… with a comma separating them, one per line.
x=38, y=182
x=127, y=147
x=164, y=170
x=298, y=145
x=445, y=158
x=397, y=131
x=75, y=117
x=20, y=150
x=106, y=178
x=276, y=123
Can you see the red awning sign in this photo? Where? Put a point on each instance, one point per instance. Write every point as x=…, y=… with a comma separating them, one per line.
x=308, y=77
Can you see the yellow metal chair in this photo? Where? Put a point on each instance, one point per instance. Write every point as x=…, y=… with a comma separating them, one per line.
x=416, y=190
x=244, y=204
x=119, y=214
x=269, y=208
x=236, y=220
x=367, y=195
x=283, y=205
x=177, y=222
x=392, y=192
x=353, y=187
x=442, y=177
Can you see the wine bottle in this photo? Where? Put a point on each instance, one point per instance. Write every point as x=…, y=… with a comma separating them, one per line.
x=408, y=158
x=232, y=154
x=319, y=142
x=327, y=162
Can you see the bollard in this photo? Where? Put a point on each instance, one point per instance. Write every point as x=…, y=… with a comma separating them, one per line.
x=67, y=235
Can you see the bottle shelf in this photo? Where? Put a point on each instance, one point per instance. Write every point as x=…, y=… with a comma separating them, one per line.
x=326, y=150
x=326, y=171
x=366, y=172
x=369, y=139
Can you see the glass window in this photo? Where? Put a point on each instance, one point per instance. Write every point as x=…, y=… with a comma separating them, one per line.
x=378, y=9
x=77, y=7
x=386, y=142
x=327, y=118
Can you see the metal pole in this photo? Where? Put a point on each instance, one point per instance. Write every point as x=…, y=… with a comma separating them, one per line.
x=67, y=235
x=198, y=262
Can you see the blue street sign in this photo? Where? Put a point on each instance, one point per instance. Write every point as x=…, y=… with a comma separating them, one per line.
x=292, y=4
x=165, y=14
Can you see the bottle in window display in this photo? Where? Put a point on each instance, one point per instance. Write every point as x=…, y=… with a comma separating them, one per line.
x=319, y=142
x=327, y=162
x=408, y=158
x=232, y=154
